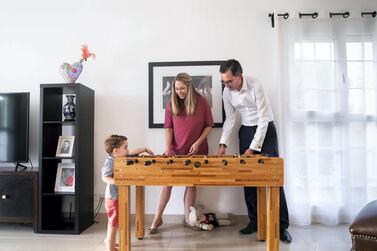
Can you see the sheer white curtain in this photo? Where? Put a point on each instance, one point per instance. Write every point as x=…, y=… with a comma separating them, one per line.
x=329, y=119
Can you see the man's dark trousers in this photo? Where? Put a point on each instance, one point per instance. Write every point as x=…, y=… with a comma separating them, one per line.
x=270, y=148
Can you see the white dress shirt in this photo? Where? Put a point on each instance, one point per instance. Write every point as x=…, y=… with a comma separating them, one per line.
x=254, y=108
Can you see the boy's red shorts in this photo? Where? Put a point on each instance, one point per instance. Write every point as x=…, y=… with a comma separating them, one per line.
x=111, y=206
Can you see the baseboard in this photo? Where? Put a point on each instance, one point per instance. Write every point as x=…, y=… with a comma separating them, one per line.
x=168, y=218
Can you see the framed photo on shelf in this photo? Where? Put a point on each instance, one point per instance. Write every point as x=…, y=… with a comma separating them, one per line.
x=65, y=146
x=65, y=178
x=206, y=80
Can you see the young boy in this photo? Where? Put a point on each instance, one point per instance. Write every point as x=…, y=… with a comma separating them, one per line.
x=115, y=146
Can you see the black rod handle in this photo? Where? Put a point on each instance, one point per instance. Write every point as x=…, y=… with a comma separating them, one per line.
x=147, y=163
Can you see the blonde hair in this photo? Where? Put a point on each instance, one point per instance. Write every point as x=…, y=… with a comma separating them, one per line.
x=191, y=99
x=114, y=141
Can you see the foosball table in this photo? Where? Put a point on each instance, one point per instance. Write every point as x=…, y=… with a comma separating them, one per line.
x=265, y=173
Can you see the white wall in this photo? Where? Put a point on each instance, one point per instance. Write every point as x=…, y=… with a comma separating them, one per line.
x=37, y=36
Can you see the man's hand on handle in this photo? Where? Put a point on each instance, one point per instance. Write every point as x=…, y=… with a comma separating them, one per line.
x=221, y=150
x=249, y=152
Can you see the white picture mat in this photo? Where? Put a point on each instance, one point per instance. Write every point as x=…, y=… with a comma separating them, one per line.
x=199, y=70
x=63, y=173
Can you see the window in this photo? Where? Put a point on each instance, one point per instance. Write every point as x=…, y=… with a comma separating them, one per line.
x=332, y=106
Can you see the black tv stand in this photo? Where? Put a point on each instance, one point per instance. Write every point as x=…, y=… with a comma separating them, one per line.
x=18, y=197
x=20, y=165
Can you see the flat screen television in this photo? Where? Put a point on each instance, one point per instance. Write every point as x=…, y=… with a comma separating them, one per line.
x=14, y=127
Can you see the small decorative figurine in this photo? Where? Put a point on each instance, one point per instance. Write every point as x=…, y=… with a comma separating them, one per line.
x=70, y=73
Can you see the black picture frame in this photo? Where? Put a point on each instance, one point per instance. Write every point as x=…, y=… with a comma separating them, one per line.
x=206, y=78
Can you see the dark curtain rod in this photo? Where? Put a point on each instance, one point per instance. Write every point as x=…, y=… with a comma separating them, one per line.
x=314, y=15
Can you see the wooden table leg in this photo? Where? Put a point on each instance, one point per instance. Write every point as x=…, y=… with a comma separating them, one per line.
x=273, y=219
x=262, y=210
x=124, y=218
x=139, y=219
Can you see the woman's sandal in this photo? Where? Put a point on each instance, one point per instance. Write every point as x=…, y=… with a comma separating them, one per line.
x=153, y=230
x=192, y=227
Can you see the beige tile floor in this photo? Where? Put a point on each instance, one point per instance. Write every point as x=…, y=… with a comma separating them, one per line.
x=173, y=237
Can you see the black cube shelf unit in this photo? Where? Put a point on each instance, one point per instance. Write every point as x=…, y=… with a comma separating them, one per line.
x=65, y=213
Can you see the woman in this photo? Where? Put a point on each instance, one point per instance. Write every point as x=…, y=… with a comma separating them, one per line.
x=188, y=122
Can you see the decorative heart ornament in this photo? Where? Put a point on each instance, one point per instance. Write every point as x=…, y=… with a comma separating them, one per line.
x=70, y=73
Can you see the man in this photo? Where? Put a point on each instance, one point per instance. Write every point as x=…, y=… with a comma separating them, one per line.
x=65, y=146
x=257, y=134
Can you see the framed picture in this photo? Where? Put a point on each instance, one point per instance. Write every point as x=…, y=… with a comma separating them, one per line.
x=65, y=178
x=65, y=146
x=206, y=80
